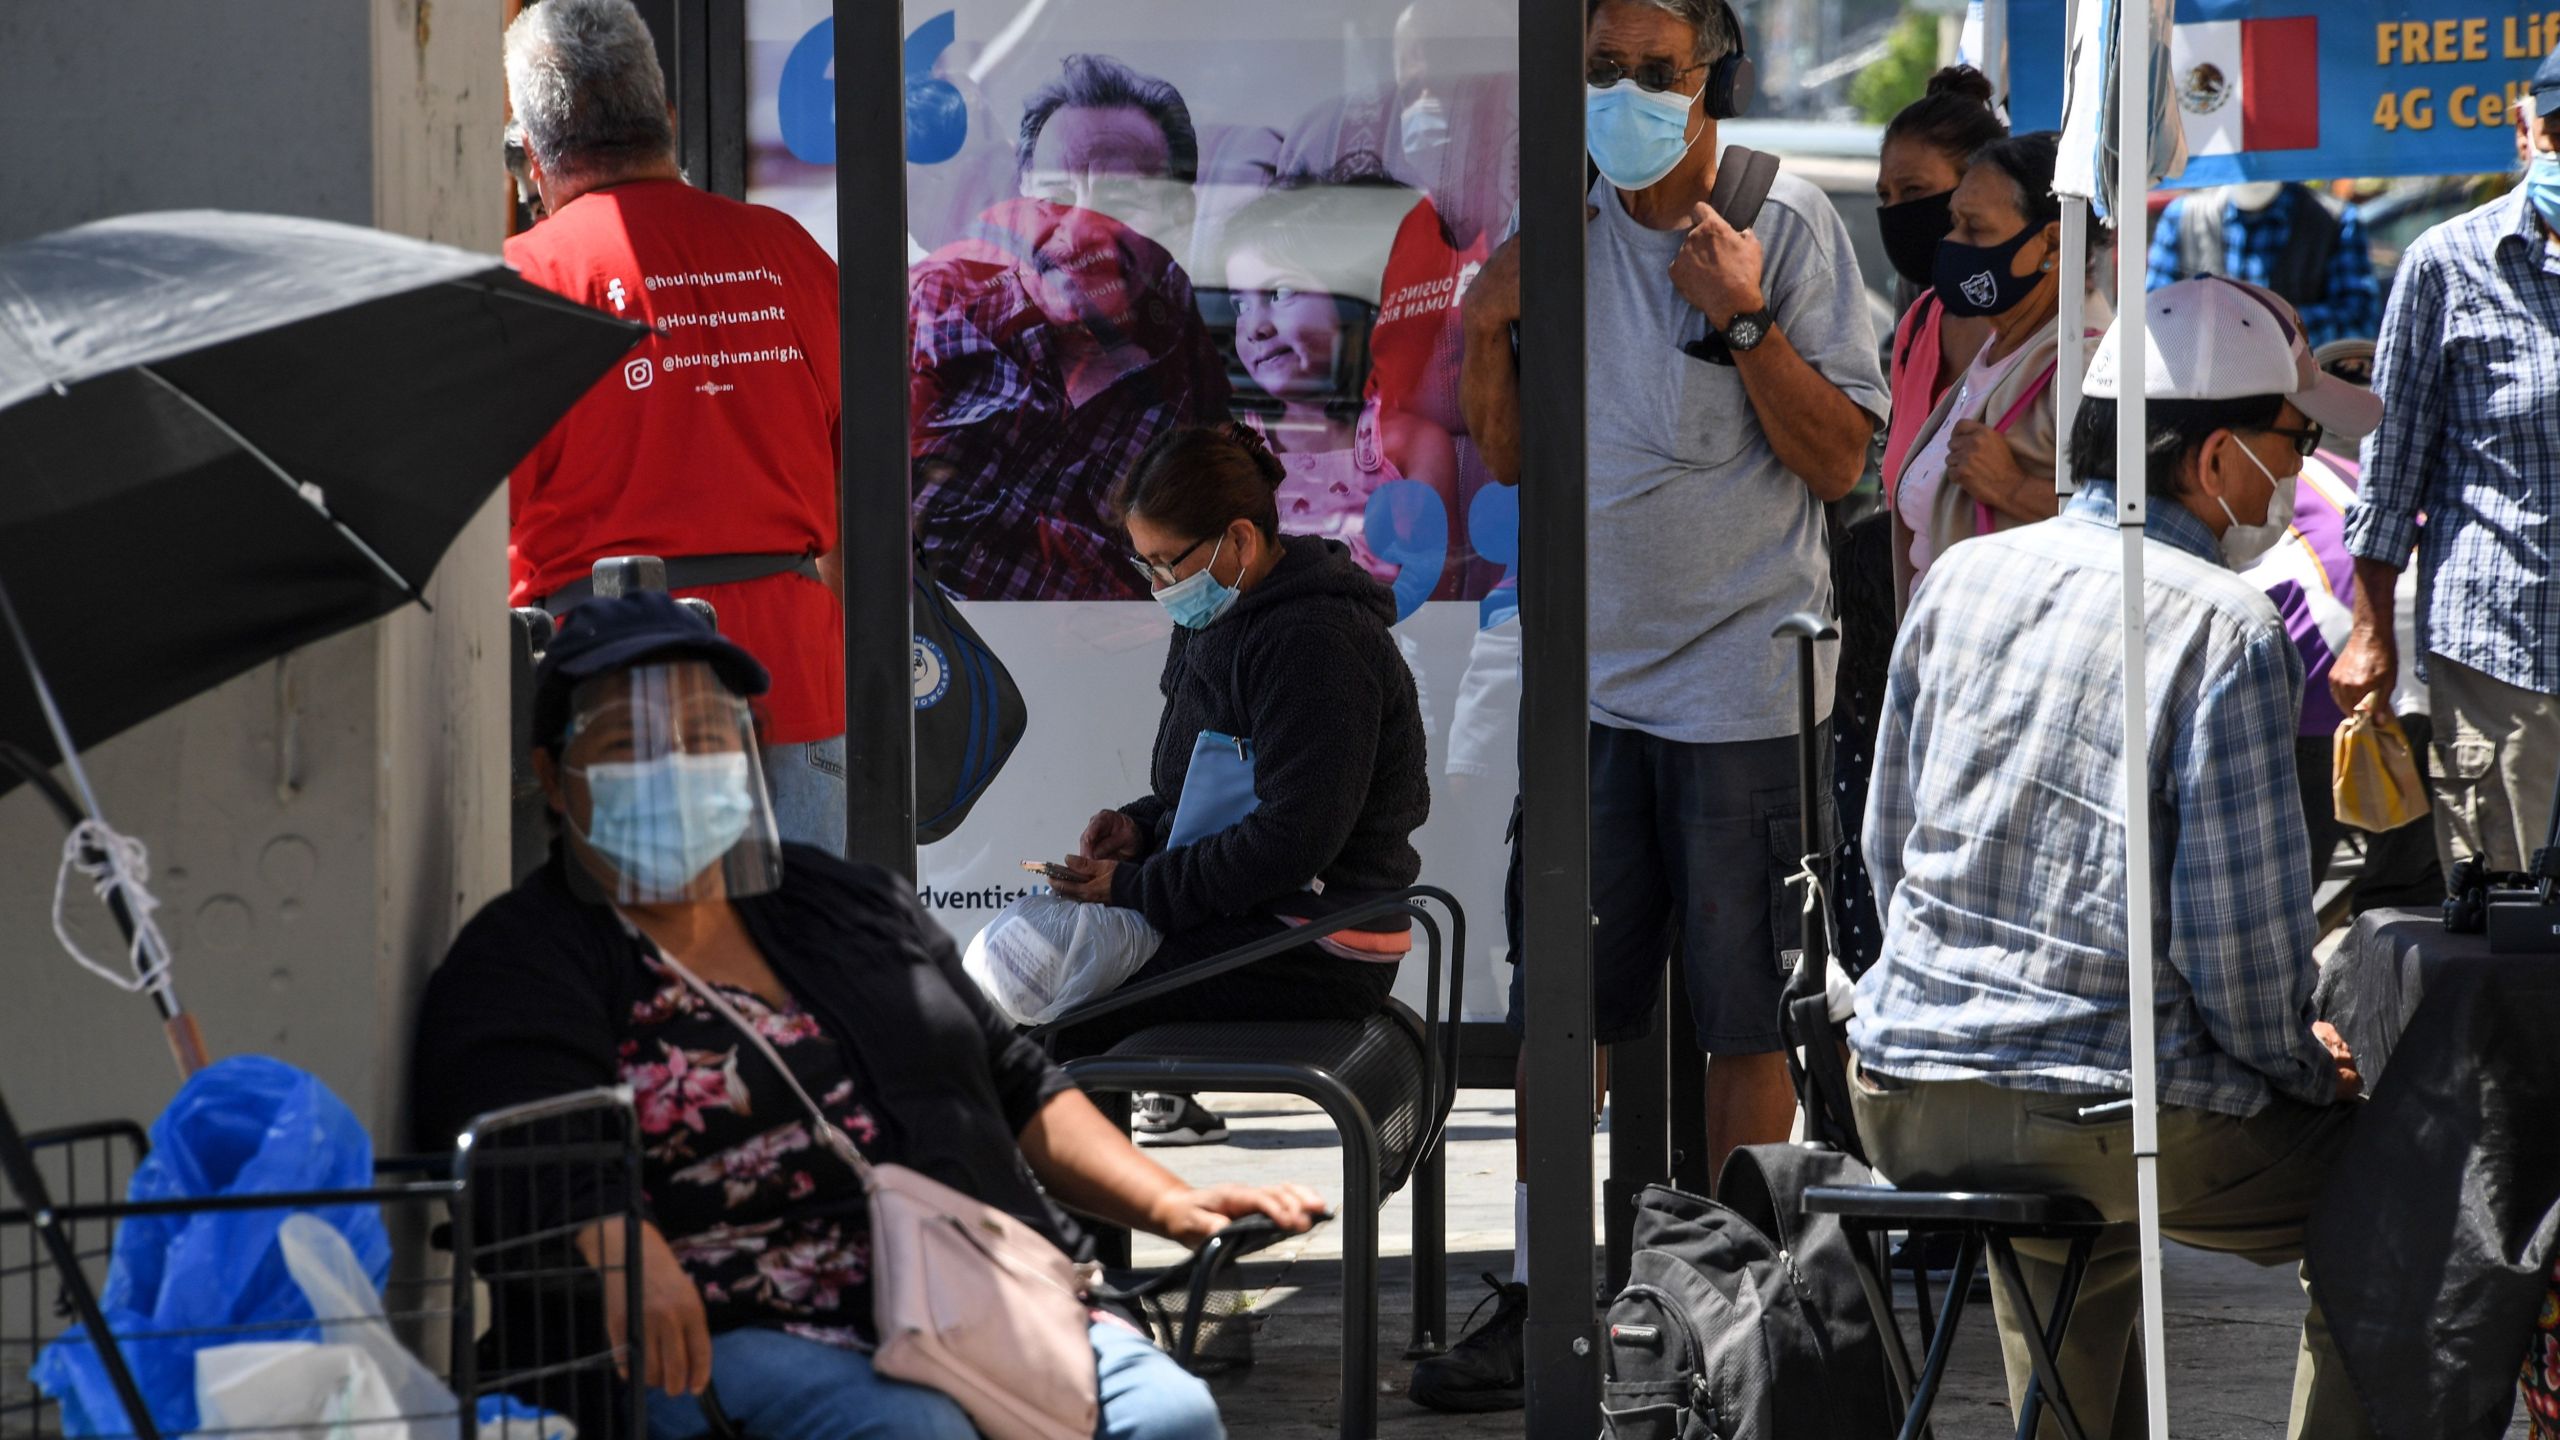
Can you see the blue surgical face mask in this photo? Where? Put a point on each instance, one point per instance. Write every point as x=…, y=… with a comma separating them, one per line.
x=1425, y=127
x=1636, y=137
x=2542, y=187
x=662, y=822
x=1197, y=599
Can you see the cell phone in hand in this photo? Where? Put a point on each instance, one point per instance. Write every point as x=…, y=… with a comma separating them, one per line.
x=1051, y=869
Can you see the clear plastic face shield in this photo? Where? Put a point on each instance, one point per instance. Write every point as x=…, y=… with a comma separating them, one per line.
x=662, y=792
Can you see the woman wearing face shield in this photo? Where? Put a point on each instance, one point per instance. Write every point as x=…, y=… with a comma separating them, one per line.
x=1282, y=642
x=1984, y=459
x=756, y=1255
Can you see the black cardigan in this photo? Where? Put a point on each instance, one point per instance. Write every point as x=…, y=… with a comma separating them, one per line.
x=1305, y=667
x=537, y=993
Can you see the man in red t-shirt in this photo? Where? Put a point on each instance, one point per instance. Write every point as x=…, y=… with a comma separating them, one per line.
x=715, y=444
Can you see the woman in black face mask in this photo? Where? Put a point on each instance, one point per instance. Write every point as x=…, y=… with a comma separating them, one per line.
x=1926, y=149
x=1984, y=458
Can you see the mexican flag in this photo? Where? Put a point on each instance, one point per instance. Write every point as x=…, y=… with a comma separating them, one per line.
x=2245, y=86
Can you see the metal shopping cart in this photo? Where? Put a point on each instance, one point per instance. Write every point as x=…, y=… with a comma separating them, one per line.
x=502, y=1297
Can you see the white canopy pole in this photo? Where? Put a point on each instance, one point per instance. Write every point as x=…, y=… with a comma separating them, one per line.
x=2074, y=322
x=2133, y=172
x=2075, y=297
x=1995, y=50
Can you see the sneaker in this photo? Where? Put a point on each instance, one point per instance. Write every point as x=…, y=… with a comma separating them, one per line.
x=1483, y=1371
x=1176, y=1120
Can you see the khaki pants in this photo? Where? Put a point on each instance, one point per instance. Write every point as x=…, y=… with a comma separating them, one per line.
x=2243, y=1187
x=2497, y=758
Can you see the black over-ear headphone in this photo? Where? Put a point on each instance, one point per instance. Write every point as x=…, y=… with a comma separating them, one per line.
x=1733, y=80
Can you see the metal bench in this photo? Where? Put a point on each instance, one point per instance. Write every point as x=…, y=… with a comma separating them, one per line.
x=1385, y=1081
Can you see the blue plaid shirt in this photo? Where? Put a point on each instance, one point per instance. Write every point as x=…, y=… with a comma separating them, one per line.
x=1995, y=827
x=2254, y=240
x=2469, y=373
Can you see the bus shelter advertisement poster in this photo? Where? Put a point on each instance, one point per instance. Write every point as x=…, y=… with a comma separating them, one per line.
x=1123, y=215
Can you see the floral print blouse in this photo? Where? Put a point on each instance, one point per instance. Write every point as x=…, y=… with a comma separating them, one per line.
x=769, y=1222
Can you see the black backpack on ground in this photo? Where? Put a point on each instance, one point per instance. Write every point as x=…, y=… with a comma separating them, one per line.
x=1746, y=1320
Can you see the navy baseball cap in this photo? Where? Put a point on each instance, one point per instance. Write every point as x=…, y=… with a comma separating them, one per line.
x=2546, y=83
x=604, y=635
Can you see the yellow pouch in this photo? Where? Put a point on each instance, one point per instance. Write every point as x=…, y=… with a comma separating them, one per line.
x=2373, y=777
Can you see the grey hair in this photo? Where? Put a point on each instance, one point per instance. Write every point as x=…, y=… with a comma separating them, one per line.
x=583, y=79
x=1719, y=29
x=1098, y=82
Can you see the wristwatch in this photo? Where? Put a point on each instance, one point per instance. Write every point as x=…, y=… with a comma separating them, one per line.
x=1745, y=332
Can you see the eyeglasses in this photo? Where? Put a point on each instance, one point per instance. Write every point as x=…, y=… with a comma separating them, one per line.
x=1161, y=575
x=2305, y=442
x=1651, y=76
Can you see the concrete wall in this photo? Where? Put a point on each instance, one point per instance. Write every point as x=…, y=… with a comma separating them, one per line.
x=320, y=826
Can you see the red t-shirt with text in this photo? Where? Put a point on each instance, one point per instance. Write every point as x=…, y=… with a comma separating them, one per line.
x=717, y=435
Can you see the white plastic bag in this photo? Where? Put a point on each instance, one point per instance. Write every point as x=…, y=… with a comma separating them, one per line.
x=1044, y=955
x=296, y=1390
x=357, y=1383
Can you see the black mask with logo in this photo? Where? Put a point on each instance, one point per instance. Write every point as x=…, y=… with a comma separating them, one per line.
x=1912, y=231
x=1975, y=280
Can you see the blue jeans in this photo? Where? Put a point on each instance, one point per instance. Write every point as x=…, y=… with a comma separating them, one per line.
x=781, y=1387
x=807, y=784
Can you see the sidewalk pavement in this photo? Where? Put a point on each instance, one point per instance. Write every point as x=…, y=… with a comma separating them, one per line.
x=2232, y=1326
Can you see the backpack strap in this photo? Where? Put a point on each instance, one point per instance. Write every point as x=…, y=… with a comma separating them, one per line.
x=2200, y=237
x=2301, y=274
x=1743, y=178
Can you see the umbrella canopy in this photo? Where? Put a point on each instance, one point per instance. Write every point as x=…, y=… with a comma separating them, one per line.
x=223, y=436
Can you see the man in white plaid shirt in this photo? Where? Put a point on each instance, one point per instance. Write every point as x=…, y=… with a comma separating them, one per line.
x=2470, y=366
x=1993, y=1035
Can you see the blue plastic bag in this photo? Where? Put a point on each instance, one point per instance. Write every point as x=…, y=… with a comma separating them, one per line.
x=244, y=1126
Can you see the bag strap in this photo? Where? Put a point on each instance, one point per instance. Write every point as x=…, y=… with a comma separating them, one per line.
x=829, y=1132
x=1985, y=520
x=2034, y=392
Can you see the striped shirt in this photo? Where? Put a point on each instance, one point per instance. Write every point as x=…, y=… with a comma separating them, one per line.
x=2469, y=372
x=1995, y=825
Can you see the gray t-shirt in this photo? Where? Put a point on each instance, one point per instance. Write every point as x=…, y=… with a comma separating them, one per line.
x=1700, y=541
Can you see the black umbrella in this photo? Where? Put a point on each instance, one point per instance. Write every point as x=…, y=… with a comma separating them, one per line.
x=224, y=436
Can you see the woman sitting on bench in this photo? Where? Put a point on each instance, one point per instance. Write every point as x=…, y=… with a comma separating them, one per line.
x=668, y=921
x=1285, y=694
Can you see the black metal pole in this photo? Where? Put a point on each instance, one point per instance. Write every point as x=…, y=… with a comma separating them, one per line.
x=1555, y=716
x=871, y=275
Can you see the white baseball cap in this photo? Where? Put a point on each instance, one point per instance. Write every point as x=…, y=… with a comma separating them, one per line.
x=2217, y=339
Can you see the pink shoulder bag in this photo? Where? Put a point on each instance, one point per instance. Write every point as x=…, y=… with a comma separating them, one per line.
x=968, y=1299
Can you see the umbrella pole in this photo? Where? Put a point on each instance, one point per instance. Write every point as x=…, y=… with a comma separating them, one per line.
x=2133, y=125
x=186, y=1041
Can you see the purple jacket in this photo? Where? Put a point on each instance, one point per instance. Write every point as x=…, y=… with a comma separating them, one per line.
x=2311, y=578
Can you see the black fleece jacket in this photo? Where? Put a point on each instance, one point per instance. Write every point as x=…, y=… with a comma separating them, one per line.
x=1304, y=667
x=536, y=996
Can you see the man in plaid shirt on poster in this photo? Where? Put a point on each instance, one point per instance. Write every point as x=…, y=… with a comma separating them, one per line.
x=1993, y=1039
x=2469, y=367
x=1055, y=341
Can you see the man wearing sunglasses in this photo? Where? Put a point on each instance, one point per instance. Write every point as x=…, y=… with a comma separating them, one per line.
x=1733, y=389
x=2470, y=367
x=1993, y=1050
